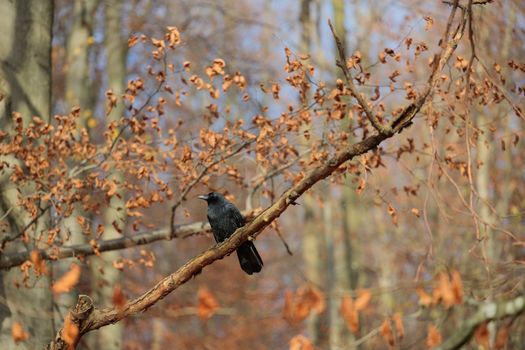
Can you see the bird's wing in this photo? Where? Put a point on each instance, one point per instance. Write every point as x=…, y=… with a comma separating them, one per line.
x=235, y=216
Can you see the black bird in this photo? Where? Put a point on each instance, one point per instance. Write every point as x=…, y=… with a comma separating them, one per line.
x=224, y=219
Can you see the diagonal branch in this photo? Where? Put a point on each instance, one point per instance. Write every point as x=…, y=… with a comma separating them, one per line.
x=486, y=312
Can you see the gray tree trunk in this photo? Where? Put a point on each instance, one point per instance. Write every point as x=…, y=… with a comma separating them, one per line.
x=25, y=87
x=116, y=47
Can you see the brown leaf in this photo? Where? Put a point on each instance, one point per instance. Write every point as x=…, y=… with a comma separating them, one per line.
x=39, y=265
x=68, y=280
x=457, y=287
x=18, y=333
x=300, y=342
x=392, y=212
x=70, y=333
x=429, y=22
x=363, y=298
x=481, y=335
x=398, y=322
x=349, y=313
x=424, y=298
x=298, y=306
x=118, y=299
x=132, y=41
x=502, y=337
x=361, y=187
x=386, y=332
x=433, y=336
x=207, y=304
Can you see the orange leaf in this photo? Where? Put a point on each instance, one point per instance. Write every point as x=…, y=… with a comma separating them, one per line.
x=445, y=292
x=300, y=342
x=349, y=313
x=68, y=281
x=38, y=264
x=207, y=304
x=424, y=298
x=502, y=338
x=398, y=322
x=298, y=306
x=363, y=298
x=433, y=336
x=70, y=333
x=386, y=332
x=457, y=287
x=118, y=299
x=392, y=212
x=18, y=333
x=481, y=335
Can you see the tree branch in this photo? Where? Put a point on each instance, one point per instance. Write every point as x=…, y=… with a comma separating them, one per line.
x=182, y=231
x=486, y=312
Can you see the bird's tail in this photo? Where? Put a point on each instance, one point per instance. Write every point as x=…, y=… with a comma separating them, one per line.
x=249, y=258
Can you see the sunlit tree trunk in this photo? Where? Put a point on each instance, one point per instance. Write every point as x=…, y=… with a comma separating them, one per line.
x=343, y=257
x=79, y=90
x=78, y=93
x=313, y=245
x=486, y=148
x=25, y=87
x=114, y=215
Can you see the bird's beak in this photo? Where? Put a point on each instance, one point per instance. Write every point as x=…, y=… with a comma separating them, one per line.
x=204, y=197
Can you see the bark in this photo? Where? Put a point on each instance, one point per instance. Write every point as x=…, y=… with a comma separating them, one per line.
x=79, y=87
x=115, y=214
x=79, y=92
x=314, y=244
x=487, y=312
x=25, y=87
x=343, y=258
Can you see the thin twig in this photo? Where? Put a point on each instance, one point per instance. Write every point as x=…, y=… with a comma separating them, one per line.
x=341, y=63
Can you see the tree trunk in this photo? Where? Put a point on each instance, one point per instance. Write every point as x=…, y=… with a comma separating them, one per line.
x=344, y=274
x=25, y=87
x=314, y=245
x=115, y=214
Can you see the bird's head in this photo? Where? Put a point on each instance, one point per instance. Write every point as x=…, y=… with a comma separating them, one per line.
x=212, y=197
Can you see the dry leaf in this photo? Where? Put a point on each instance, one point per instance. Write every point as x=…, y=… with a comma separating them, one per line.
x=298, y=306
x=300, y=342
x=39, y=265
x=424, y=298
x=18, y=333
x=386, y=332
x=398, y=322
x=349, y=313
x=207, y=304
x=68, y=280
x=433, y=336
x=429, y=22
x=70, y=333
x=481, y=335
x=118, y=299
x=363, y=298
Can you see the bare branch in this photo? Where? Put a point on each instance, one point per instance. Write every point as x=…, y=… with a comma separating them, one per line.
x=183, y=231
x=382, y=129
x=440, y=60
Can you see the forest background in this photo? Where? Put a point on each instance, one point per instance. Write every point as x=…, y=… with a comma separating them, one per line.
x=378, y=157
